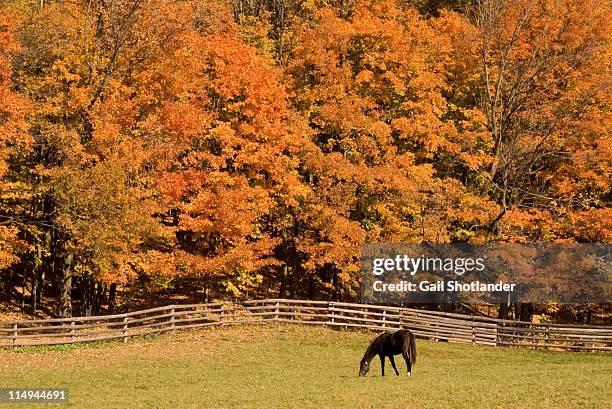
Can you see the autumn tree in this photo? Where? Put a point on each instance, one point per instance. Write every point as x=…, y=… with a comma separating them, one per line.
x=14, y=141
x=545, y=93
x=544, y=89
x=371, y=86
x=91, y=192
x=233, y=134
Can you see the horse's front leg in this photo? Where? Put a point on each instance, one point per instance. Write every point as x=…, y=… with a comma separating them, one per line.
x=393, y=364
x=382, y=364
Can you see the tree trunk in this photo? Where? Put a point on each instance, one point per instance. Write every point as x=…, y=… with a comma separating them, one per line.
x=84, y=307
x=91, y=299
x=112, y=292
x=36, y=273
x=503, y=311
x=335, y=285
x=525, y=315
x=65, y=301
x=41, y=287
x=34, y=293
x=99, y=292
x=23, y=289
x=517, y=311
x=311, y=287
x=283, y=282
x=48, y=263
x=589, y=316
x=293, y=283
x=8, y=289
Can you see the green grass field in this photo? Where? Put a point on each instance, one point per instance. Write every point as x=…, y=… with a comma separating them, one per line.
x=305, y=367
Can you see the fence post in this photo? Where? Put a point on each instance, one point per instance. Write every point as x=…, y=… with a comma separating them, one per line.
x=72, y=330
x=546, y=336
x=276, y=311
x=15, y=332
x=172, y=327
x=401, y=318
x=473, y=332
x=497, y=336
x=125, y=329
x=330, y=312
x=384, y=318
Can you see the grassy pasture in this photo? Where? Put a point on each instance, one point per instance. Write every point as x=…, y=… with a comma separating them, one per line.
x=280, y=366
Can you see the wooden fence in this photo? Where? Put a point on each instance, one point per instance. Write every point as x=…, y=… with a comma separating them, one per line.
x=439, y=326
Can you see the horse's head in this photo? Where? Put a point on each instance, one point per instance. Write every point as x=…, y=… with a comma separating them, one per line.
x=364, y=367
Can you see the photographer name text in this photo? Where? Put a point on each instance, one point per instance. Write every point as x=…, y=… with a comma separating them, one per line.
x=442, y=286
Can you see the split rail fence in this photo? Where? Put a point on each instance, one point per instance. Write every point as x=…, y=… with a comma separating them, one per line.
x=439, y=326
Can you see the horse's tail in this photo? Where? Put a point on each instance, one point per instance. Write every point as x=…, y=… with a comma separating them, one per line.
x=413, y=351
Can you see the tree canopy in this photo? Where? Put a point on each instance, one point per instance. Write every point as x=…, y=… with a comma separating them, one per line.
x=249, y=148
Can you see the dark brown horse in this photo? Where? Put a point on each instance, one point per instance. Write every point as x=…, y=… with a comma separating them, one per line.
x=388, y=344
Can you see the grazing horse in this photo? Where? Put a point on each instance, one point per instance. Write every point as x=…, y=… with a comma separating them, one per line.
x=388, y=344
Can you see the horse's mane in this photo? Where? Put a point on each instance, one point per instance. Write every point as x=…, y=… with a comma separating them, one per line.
x=374, y=347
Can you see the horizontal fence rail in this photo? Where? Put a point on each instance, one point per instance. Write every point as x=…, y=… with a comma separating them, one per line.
x=434, y=325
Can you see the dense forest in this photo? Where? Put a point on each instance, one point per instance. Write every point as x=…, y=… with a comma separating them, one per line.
x=213, y=149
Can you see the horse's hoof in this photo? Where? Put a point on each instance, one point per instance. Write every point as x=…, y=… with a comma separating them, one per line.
x=409, y=373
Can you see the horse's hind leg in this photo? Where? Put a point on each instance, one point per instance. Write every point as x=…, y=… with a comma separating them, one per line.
x=406, y=356
x=393, y=364
x=382, y=364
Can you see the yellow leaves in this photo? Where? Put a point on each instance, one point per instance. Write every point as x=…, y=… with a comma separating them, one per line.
x=61, y=70
x=10, y=244
x=255, y=32
x=241, y=282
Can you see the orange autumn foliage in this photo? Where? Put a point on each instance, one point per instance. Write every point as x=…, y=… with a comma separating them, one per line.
x=251, y=148
x=14, y=140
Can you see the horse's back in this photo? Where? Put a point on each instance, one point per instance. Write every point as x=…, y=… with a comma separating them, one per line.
x=394, y=343
x=403, y=338
x=403, y=334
